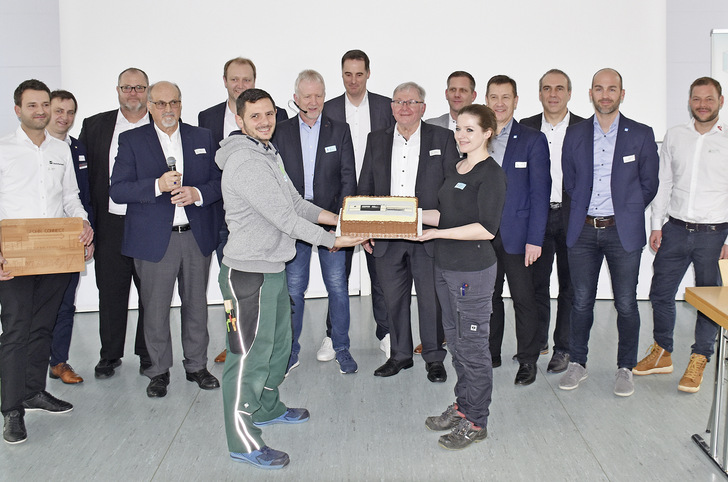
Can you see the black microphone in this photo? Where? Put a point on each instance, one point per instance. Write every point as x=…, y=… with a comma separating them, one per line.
x=171, y=163
x=297, y=106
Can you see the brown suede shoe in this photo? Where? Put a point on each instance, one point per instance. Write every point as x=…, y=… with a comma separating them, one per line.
x=65, y=372
x=418, y=349
x=221, y=357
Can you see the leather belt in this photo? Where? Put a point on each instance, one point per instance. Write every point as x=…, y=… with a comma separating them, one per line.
x=181, y=228
x=554, y=206
x=700, y=228
x=599, y=222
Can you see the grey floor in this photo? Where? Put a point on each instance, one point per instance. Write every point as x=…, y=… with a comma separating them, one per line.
x=368, y=428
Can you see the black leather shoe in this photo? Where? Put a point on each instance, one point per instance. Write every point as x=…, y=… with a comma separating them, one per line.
x=158, y=386
x=436, y=371
x=14, y=428
x=105, y=368
x=526, y=374
x=392, y=367
x=44, y=401
x=559, y=362
x=205, y=380
x=496, y=361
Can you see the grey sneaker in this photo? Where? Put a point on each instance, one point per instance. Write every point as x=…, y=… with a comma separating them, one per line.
x=624, y=386
x=462, y=435
x=447, y=420
x=574, y=375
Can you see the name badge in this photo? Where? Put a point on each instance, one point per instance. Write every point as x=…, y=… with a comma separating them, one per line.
x=330, y=149
x=521, y=164
x=82, y=164
x=460, y=185
x=435, y=152
x=200, y=150
x=628, y=158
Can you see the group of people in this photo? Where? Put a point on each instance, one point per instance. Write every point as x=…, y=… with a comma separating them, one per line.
x=500, y=199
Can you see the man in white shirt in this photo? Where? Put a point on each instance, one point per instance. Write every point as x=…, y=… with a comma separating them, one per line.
x=365, y=112
x=166, y=173
x=693, y=199
x=554, y=92
x=37, y=180
x=460, y=92
x=114, y=271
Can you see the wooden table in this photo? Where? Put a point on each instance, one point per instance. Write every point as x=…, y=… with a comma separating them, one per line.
x=712, y=301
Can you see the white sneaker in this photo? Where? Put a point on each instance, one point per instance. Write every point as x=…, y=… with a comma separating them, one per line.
x=574, y=375
x=385, y=345
x=326, y=352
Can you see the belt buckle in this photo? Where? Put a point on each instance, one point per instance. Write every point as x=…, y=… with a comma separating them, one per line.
x=690, y=228
x=595, y=223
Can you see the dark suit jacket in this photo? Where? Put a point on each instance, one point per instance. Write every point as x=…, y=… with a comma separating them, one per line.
x=634, y=178
x=380, y=110
x=525, y=213
x=334, y=173
x=148, y=223
x=214, y=119
x=437, y=147
x=80, y=165
x=534, y=122
x=97, y=133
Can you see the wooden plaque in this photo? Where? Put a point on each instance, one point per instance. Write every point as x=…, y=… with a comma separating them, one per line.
x=42, y=246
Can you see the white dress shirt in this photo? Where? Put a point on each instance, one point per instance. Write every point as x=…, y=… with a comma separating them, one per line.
x=555, y=137
x=405, y=161
x=360, y=125
x=122, y=125
x=229, y=125
x=693, y=176
x=37, y=181
x=172, y=147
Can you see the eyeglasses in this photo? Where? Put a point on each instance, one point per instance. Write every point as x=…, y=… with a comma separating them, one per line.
x=410, y=103
x=161, y=105
x=128, y=88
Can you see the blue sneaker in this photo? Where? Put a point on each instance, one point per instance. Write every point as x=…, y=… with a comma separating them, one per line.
x=292, y=363
x=292, y=415
x=265, y=458
x=346, y=362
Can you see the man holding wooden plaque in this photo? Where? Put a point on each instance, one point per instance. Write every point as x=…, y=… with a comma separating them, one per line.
x=37, y=180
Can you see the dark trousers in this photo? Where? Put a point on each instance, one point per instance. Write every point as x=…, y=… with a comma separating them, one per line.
x=401, y=263
x=114, y=273
x=63, y=329
x=520, y=283
x=585, y=260
x=29, y=305
x=679, y=248
x=466, y=300
x=554, y=245
x=379, y=308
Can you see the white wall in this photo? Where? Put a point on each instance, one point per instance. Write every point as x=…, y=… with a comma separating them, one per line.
x=188, y=42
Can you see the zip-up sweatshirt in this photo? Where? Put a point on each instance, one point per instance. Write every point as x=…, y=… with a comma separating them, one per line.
x=264, y=212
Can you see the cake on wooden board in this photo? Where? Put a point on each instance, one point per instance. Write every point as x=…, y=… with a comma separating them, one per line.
x=379, y=217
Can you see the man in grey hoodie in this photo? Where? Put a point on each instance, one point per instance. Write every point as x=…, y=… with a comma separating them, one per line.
x=265, y=215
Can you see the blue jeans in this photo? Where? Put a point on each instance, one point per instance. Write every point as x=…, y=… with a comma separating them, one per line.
x=62, y=331
x=679, y=248
x=585, y=262
x=333, y=269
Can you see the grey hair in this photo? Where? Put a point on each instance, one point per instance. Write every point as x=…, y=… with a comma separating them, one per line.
x=310, y=76
x=410, y=85
x=151, y=87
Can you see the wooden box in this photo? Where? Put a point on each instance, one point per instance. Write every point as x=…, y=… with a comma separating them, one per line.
x=42, y=246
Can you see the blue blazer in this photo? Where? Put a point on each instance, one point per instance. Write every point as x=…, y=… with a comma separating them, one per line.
x=437, y=148
x=148, y=224
x=334, y=175
x=80, y=165
x=526, y=163
x=214, y=119
x=634, y=178
x=380, y=110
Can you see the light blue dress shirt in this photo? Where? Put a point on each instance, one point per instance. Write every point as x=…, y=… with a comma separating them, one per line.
x=309, y=144
x=499, y=143
x=604, y=142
